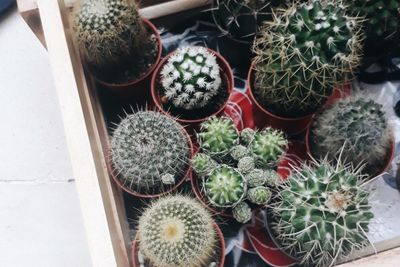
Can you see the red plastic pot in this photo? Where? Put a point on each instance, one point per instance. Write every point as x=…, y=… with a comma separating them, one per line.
x=171, y=189
x=135, y=249
x=192, y=124
x=136, y=90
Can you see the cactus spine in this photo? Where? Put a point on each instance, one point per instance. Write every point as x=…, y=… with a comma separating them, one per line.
x=148, y=149
x=176, y=231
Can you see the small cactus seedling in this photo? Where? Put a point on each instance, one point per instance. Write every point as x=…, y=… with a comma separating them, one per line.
x=259, y=195
x=307, y=50
x=268, y=147
x=217, y=136
x=321, y=213
x=148, y=150
x=203, y=164
x=272, y=178
x=242, y=212
x=239, y=151
x=246, y=165
x=247, y=136
x=177, y=231
x=256, y=177
x=190, y=78
x=225, y=186
x=358, y=124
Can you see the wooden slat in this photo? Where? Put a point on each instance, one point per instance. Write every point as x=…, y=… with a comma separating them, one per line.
x=390, y=258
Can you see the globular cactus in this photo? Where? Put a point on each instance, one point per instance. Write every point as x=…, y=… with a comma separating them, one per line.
x=225, y=186
x=321, y=213
x=268, y=147
x=256, y=177
x=108, y=31
x=203, y=164
x=272, y=178
x=190, y=78
x=247, y=136
x=307, y=50
x=177, y=231
x=242, y=212
x=358, y=124
x=259, y=195
x=217, y=136
x=246, y=165
x=148, y=149
x=238, y=152
x=241, y=19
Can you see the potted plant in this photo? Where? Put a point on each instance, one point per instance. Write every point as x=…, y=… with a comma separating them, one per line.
x=233, y=172
x=191, y=84
x=150, y=154
x=120, y=48
x=321, y=213
x=177, y=231
x=358, y=124
x=301, y=56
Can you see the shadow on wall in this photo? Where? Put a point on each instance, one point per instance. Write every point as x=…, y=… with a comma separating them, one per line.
x=5, y=5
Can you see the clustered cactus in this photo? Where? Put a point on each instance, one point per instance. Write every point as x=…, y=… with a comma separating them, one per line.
x=108, y=31
x=307, y=50
x=321, y=213
x=236, y=168
x=242, y=18
x=149, y=150
x=358, y=124
x=177, y=231
x=190, y=78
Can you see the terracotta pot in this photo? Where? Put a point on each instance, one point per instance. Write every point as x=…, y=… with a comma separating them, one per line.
x=169, y=190
x=193, y=124
x=138, y=91
x=388, y=160
x=135, y=248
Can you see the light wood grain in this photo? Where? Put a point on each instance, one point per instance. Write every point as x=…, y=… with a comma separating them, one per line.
x=390, y=258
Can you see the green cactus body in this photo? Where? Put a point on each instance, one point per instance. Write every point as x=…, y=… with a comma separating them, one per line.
x=203, y=164
x=321, y=213
x=225, y=186
x=242, y=212
x=358, y=124
x=256, y=177
x=177, y=231
x=190, y=78
x=247, y=136
x=259, y=195
x=238, y=152
x=268, y=147
x=148, y=149
x=246, y=165
x=272, y=178
x=108, y=31
x=303, y=54
x=217, y=136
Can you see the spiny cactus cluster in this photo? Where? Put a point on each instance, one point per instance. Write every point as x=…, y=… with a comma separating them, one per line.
x=149, y=150
x=358, y=124
x=321, y=213
x=301, y=55
x=236, y=168
x=242, y=18
x=190, y=78
x=108, y=31
x=177, y=231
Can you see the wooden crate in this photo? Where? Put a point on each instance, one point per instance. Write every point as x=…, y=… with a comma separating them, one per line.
x=86, y=132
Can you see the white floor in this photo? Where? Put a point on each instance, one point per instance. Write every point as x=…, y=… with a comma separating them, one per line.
x=40, y=218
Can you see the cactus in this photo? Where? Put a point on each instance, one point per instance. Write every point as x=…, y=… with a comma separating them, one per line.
x=256, y=177
x=190, y=78
x=247, y=136
x=238, y=152
x=268, y=147
x=272, y=178
x=321, y=213
x=259, y=195
x=148, y=149
x=108, y=31
x=225, y=186
x=356, y=123
x=177, y=231
x=246, y=165
x=301, y=55
x=241, y=19
x=203, y=164
x=217, y=136
x=242, y=212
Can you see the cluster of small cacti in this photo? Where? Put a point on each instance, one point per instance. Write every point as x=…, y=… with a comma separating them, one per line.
x=149, y=150
x=321, y=213
x=237, y=168
x=307, y=50
x=358, y=124
x=190, y=78
x=177, y=231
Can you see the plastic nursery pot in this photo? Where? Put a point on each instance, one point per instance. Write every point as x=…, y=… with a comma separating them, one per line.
x=221, y=253
x=168, y=189
x=381, y=167
x=137, y=90
x=193, y=124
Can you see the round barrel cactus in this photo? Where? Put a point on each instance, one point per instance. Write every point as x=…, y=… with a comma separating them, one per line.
x=307, y=50
x=321, y=213
x=203, y=164
x=242, y=212
x=148, y=149
x=177, y=231
x=259, y=195
x=190, y=78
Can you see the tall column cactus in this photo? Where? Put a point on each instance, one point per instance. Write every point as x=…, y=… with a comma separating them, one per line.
x=301, y=55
